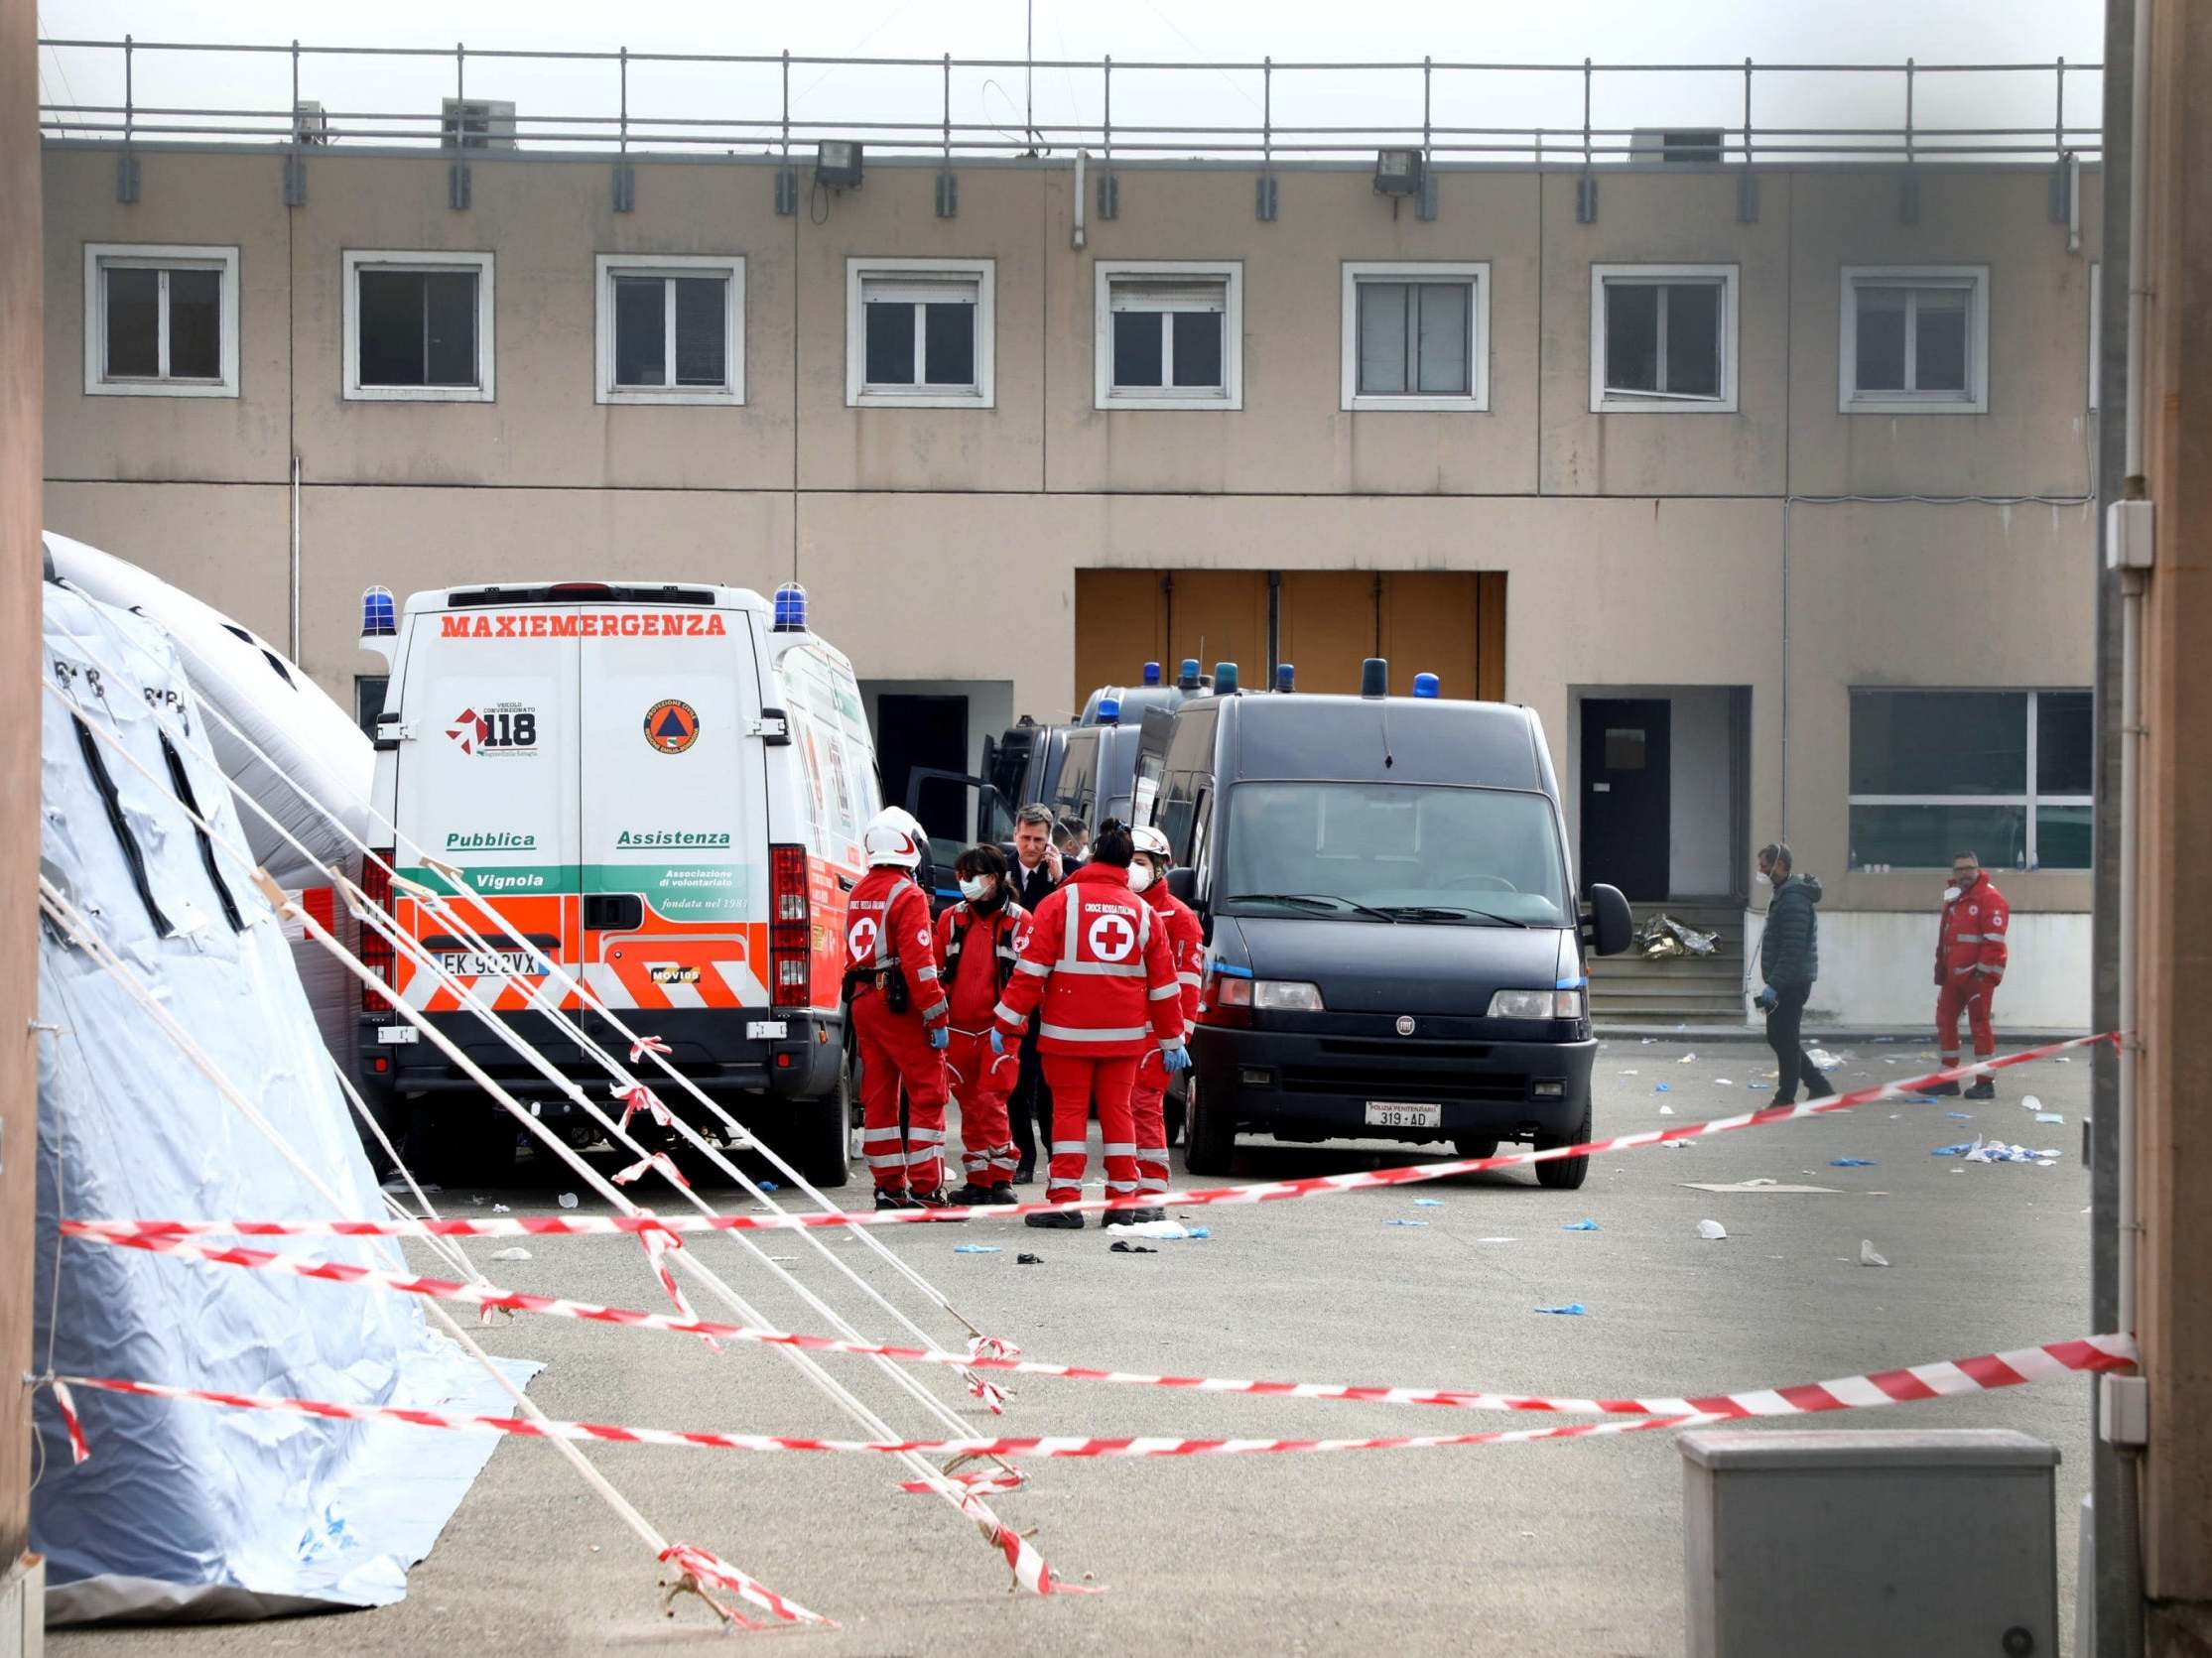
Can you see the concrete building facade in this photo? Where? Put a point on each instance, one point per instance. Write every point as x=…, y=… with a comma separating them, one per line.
x=1779, y=518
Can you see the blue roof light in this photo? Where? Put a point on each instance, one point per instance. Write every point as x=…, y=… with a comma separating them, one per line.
x=1186, y=680
x=1287, y=675
x=1151, y=673
x=1225, y=679
x=1375, y=676
x=379, y=615
x=1109, y=711
x=791, y=609
x=1427, y=685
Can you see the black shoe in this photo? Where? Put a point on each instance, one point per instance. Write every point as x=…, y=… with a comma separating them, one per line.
x=1063, y=1220
x=1780, y=1101
x=936, y=1200
x=885, y=1198
x=971, y=1196
x=1026, y=1175
x=1985, y=1088
x=1818, y=1087
x=1943, y=1090
x=1145, y=1217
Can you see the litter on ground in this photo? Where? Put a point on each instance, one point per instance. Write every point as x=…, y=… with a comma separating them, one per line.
x=1711, y=1230
x=1585, y=1226
x=1666, y=1110
x=1570, y=1309
x=974, y=1249
x=1428, y=1203
x=1660, y=1087
x=568, y=1200
x=1772, y=1186
x=1868, y=1255
x=517, y=1254
x=1119, y=1247
x=1405, y=1222
x=2049, y=1116
x=1851, y=1163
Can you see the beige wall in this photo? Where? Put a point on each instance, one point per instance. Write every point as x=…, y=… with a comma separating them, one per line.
x=1640, y=548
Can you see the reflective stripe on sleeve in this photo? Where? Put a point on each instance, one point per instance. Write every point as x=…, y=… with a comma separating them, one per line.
x=1164, y=992
x=1192, y=979
x=925, y=974
x=1069, y=1033
x=1036, y=970
x=936, y=1011
x=1104, y=969
x=1169, y=1042
x=1005, y=1014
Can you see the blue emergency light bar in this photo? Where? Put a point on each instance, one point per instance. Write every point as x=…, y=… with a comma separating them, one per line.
x=1109, y=711
x=1225, y=679
x=1287, y=675
x=379, y=615
x=1375, y=676
x=1427, y=685
x=1186, y=680
x=791, y=609
x=1151, y=673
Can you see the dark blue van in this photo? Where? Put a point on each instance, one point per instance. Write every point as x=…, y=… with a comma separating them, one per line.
x=1396, y=950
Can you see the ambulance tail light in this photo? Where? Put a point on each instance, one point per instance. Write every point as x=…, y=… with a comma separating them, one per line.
x=376, y=950
x=790, y=928
x=1225, y=1002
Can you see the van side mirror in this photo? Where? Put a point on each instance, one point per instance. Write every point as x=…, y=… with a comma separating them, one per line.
x=1182, y=883
x=1612, y=924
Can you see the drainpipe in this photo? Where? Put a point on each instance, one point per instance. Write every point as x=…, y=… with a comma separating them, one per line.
x=292, y=642
x=1077, y=237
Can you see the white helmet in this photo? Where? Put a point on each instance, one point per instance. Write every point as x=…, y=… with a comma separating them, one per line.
x=1150, y=840
x=893, y=838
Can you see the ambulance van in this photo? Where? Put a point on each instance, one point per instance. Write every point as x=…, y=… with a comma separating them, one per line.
x=660, y=788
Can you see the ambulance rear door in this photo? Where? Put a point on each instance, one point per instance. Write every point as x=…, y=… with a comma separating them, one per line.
x=675, y=822
x=486, y=787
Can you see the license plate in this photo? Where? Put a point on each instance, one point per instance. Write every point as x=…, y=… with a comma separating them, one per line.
x=1384, y=1115
x=396, y=1035
x=477, y=963
x=767, y=1030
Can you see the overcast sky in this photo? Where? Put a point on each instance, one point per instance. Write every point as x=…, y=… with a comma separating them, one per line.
x=1208, y=31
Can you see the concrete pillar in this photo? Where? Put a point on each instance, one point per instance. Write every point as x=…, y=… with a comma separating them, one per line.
x=21, y=458
x=2174, y=907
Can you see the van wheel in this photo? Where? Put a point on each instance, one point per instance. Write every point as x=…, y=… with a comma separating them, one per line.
x=1564, y=1174
x=817, y=1138
x=1208, y=1133
x=1473, y=1146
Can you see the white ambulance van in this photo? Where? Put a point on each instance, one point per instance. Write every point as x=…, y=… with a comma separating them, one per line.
x=662, y=788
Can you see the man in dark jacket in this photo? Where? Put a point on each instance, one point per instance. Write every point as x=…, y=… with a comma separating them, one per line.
x=1789, y=962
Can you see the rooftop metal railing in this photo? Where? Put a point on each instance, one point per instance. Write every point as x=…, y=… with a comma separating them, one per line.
x=941, y=106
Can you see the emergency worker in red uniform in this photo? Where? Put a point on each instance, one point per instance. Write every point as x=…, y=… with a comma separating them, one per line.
x=1097, y=962
x=1186, y=945
x=899, y=1018
x=1970, y=960
x=977, y=942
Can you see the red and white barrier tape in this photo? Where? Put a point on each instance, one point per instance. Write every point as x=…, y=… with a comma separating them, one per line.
x=1264, y=1191
x=703, y=1569
x=66, y=1403
x=657, y=1245
x=1044, y=1446
x=1981, y=1373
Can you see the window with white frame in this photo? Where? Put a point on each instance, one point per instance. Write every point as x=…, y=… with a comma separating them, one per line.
x=417, y=328
x=1416, y=336
x=1915, y=340
x=671, y=328
x=161, y=321
x=1170, y=334
x=919, y=332
x=2008, y=774
x=1662, y=339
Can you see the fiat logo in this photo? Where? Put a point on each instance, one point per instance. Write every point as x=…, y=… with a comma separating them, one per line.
x=1406, y=1024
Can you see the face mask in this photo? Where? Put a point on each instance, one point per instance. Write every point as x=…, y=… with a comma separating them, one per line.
x=1140, y=876
x=1767, y=876
x=1951, y=894
x=976, y=889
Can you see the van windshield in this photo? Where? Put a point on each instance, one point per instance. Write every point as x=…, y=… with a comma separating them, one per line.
x=1398, y=853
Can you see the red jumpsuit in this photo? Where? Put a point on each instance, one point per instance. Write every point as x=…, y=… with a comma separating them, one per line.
x=1098, y=962
x=976, y=956
x=1186, y=944
x=887, y=925
x=1970, y=959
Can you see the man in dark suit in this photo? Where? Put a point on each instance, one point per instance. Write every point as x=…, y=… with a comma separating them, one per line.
x=1035, y=872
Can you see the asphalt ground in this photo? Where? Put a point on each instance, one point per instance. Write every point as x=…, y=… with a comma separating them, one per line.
x=1572, y=1547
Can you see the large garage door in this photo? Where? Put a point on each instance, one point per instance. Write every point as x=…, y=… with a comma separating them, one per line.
x=1451, y=623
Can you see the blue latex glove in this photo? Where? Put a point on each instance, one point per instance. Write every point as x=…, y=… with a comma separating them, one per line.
x=1173, y=1059
x=997, y=1043
x=1766, y=997
x=940, y=1036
